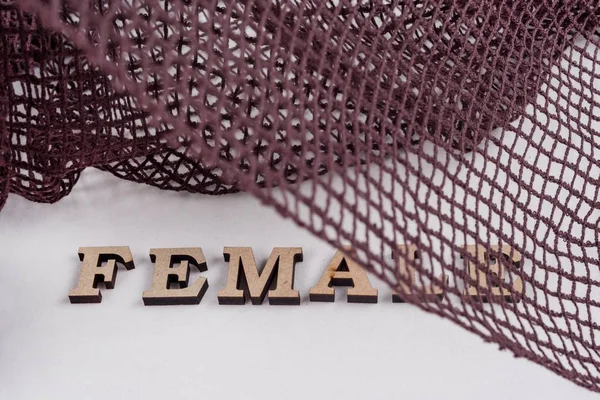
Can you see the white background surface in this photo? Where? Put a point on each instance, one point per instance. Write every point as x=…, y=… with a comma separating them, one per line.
x=119, y=349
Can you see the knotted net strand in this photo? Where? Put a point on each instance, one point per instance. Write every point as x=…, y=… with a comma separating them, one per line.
x=435, y=123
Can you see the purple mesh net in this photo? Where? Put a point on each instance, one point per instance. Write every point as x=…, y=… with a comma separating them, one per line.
x=436, y=123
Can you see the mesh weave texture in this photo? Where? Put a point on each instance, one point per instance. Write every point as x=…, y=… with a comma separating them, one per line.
x=437, y=123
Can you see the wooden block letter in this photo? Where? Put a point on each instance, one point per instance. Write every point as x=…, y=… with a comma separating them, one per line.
x=343, y=271
x=160, y=294
x=494, y=268
x=93, y=272
x=431, y=293
x=243, y=274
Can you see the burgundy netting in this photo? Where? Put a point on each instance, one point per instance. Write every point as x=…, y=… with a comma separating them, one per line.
x=438, y=123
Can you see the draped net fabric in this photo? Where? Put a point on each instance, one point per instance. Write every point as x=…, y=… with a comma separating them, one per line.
x=437, y=123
